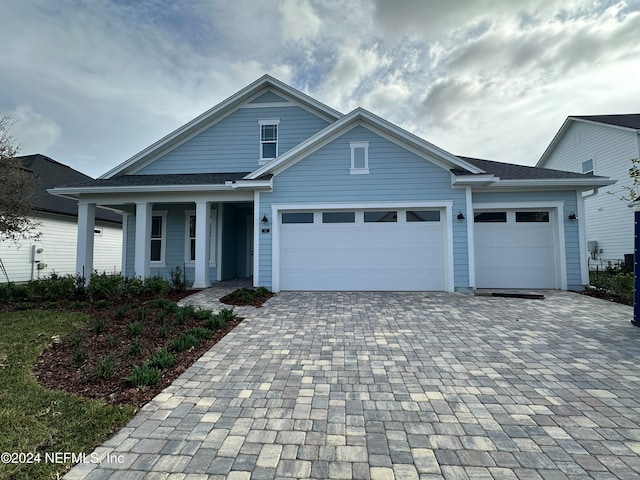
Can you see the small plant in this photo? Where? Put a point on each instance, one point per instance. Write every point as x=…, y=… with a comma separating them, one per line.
x=216, y=322
x=103, y=304
x=75, y=341
x=135, y=348
x=144, y=374
x=77, y=305
x=227, y=314
x=263, y=292
x=120, y=313
x=247, y=296
x=77, y=357
x=112, y=341
x=160, y=303
x=184, y=313
x=622, y=285
x=202, y=314
x=157, y=286
x=199, y=332
x=142, y=314
x=178, y=279
x=104, y=368
x=163, y=331
x=184, y=342
x=134, y=329
x=104, y=285
x=50, y=305
x=162, y=359
x=26, y=306
x=134, y=287
x=99, y=325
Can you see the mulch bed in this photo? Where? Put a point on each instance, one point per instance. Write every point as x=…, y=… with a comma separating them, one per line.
x=58, y=368
x=591, y=292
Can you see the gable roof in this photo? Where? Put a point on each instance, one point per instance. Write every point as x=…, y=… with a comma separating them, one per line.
x=218, y=112
x=50, y=174
x=360, y=116
x=511, y=171
x=630, y=122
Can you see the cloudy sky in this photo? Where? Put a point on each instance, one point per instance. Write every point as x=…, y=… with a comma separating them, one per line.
x=91, y=83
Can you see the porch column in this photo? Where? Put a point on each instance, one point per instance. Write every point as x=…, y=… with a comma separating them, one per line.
x=143, y=239
x=125, y=234
x=86, y=227
x=203, y=220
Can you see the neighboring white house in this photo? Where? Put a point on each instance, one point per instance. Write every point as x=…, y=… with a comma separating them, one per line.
x=55, y=249
x=600, y=145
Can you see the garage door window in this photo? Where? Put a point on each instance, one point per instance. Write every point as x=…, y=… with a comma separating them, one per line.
x=423, y=215
x=374, y=217
x=490, y=217
x=339, y=217
x=297, y=217
x=532, y=217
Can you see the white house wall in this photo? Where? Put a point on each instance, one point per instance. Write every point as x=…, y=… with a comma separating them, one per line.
x=58, y=239
x=608, y=219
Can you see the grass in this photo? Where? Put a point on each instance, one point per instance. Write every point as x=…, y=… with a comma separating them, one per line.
x=35, y=419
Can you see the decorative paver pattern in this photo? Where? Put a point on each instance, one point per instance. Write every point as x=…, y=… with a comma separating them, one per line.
x=398, y=386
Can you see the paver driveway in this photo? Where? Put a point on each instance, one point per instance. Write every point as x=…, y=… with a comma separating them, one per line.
x=399, y=385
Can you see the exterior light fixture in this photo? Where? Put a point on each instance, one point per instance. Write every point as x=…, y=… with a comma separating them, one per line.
x=265, y=219
x=572, y=216
x=460, y=215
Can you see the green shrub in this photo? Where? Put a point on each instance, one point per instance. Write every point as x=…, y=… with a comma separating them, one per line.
x=157, y=286
x=160, y=303
x=26, y=306
x=75, y=340
x=134, y=287
x=104, y=286
x=227, y=314
x=184, y=342
x=199, y=332
x=134, y=328
x=263, y=292
x=112, y=341
x=18, y=292
x=135, y=348
x=77, y=357
x=50, y=305
x=184, y=313
x=144, y=374
x=622, y=285
x=178, y=279
x=99, y=325
x=162, y=359
x=103, y=304
x=104, y=368
x=216, y=322
x=202, y=314
x=163, y=331
x=77, y=305
x=60, y=287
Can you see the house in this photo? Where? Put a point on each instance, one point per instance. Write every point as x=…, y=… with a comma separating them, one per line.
x=274, y=185
x=57, y=218
x=600, y=145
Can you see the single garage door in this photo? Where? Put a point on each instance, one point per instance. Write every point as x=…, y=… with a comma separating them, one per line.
x=362, y=250
x=515, y=249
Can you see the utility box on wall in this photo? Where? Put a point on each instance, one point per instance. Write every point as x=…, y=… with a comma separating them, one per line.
x=37, y=253
x=592, y=246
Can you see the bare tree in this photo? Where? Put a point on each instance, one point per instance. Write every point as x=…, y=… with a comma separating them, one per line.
x=17, y=190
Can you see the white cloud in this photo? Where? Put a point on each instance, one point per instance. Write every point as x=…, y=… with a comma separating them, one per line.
x=33, y=132
x=299, y=20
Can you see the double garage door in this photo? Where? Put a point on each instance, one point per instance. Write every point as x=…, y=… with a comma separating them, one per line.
x=516, y=249
x=393, y=249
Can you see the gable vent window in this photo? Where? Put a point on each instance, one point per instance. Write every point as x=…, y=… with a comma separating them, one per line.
x=359, y=158
x=268, y=139
x=587, y=167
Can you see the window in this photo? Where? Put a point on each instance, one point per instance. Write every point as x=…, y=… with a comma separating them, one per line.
x=359, y=158
x=158, y=233
x=297, y=217
x=190, y=237
x=370, y=217
x=268, y=139
x=339, y=217
x=587, y=167
x=490, y=217
x=423, y=215
x=532, y=217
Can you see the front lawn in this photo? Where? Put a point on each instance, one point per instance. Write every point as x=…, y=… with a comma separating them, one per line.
x=34, y=418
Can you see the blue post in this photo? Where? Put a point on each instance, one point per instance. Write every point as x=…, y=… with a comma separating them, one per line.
x=636, y=267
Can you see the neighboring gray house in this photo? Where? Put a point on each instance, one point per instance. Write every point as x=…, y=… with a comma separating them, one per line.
x=54, y=250
x=274, y=185
x=600, y=145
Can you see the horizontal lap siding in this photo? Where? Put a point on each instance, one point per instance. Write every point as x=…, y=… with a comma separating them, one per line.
x=233, y=144
x=609, y=220
x=395, y=175
x=571, y=229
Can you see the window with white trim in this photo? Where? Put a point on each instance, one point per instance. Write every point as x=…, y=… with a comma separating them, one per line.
x=158, y=237
x=190, y=238
x=268, y=139
x=359, y=158
x=587, y=167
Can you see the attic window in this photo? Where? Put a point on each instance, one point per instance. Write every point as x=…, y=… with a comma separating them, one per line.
x=587, y=167
x=268, y=139
x=359, y=158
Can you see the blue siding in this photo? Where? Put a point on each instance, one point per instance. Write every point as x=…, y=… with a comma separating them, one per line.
x=268, y=97
x=571, y=229
x=395, y=175
x=233, y=144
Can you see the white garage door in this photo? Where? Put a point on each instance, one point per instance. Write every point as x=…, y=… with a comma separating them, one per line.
x=515, y=249
x=362, y=250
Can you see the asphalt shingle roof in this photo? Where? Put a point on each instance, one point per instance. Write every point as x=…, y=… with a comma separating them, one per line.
x=163, y=179
x=50, y=174
x=630, y=120
x=510, y=171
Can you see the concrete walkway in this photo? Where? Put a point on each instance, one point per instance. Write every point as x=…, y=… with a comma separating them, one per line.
x=398, y=385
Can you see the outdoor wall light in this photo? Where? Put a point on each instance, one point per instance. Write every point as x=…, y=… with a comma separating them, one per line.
x=265, y=219
x=572, y=216
x=460, y=215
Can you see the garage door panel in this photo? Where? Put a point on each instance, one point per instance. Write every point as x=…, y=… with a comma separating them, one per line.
x=362, y=256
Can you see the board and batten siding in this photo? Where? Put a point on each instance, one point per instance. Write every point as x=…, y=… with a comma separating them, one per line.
x=58, y=237
x=233, y=143
x=396, y=174
x=608, y=219
x=571, y=228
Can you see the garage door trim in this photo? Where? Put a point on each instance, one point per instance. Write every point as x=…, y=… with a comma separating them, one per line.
x=446, y=205
x=557, y=217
